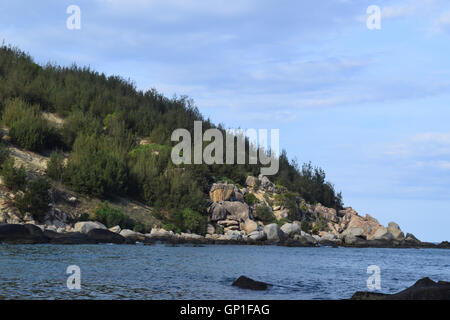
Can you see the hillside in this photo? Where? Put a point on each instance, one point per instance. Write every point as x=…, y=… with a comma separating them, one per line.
x=80, y=146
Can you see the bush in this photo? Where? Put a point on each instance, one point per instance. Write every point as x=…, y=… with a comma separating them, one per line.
x=265, y=214
x=140, y=227
x=250, y=199
x=14, y=178
x=94, y=170
x=111, y=217
x=305, y=226
x=4, y=153
x=55, y=166
x=193, y=221
x=320, y=225
x=35, y=199
x=16, y=109
x=27, y=128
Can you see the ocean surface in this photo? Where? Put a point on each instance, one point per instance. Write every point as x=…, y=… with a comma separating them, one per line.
x=186, y=272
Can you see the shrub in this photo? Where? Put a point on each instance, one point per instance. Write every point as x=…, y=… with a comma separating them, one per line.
x=94, y=170
x=4, y=153
x=140, y=227
x=55, y=166
x=110, y=216
x=16, y=109
x=35, y=199
x=79, y=123
x=14, y=178
x=27, y=127
x=320, y=225
x=193, y=221
x=305, y=226
x=219, y=229
x=250, y=199
x=265, y=214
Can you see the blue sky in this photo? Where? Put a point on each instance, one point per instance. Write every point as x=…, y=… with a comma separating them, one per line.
x=371, y=107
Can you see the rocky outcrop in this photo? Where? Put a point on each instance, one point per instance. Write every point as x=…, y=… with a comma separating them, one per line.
x=328, y=213
x=424, y=289
x=266, y=184
x=244, y=282
x=21, y=234
x=395, y=230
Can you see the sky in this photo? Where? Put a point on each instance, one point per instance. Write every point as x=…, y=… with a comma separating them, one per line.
x=371, y=107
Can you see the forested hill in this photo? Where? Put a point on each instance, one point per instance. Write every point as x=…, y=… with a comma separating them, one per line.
x=105, y=118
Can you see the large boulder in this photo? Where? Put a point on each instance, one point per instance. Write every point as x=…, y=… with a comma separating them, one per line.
x=237, y=210
x=132, y=235
x=274, y=233
x=86, y=226
x=257, y=235
x=217, y=212
x=221, y=192
x=69, y=237
x=21, y=234
x=291, y=229
x=231, y=235
x=246, y=283
x=105, y=236
x=381, y=234
x=305, y=239
x=250, y=226
x=396, y=231
x=251, y=181
x=210, y=229
x=115, y=229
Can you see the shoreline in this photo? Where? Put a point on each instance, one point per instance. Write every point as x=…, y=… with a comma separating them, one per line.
x=30, y=234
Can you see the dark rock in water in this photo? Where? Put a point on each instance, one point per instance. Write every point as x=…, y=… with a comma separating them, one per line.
x=21, y=234
x=424, y=289
x=246, y=283
x=105, y=236
x=68, y=238
x=361, y=295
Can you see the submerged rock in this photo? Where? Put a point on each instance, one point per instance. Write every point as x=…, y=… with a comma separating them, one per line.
x=244, y=282
x=424, y=289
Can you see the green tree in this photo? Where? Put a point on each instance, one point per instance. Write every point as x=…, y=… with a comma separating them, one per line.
x=13, y=178
x=35, y=199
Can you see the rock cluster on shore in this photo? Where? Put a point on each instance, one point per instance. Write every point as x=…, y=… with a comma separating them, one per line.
x=231, y=221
